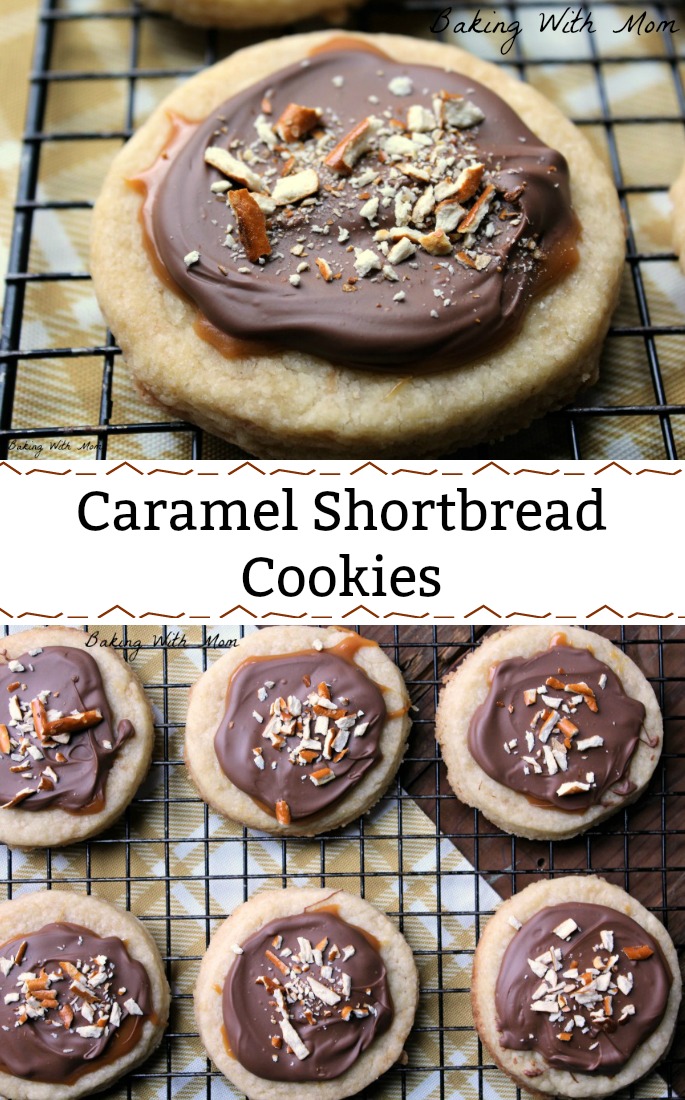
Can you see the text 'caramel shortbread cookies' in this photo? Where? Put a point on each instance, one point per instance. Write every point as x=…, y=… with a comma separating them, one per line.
x=357, y=245
x=576, y=988
x=548, y=732
x=83, y=995
x=76, y=737
x=305, y=992
x=297, y=731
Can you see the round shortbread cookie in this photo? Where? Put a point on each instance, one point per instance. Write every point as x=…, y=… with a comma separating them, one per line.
x=238, y=14
x=528, y=1068
x=33, y=912
x=271, y=404
x=127, y=760
x=678, y=222
x=467, y=688
x=265, y=908
x=207, y=709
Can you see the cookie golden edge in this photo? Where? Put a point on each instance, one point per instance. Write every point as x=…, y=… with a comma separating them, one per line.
x=247, y=919
x=207, y=705
x=677, y=195
x=528, y=1068
x=54, y=828
x=467, y=687
x=364, y=412
x=244, y=14
x=32, y=912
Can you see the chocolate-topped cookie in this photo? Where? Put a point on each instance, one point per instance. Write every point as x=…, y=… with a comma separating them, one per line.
x=454, y=235
x=76, y=737
x=576, y=988
x=387, y=222
x=305, y=991
x=83, y=995
x=548, y=731
x=298, y=730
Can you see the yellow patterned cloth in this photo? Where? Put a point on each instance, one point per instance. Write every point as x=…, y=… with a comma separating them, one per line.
x=639, y=83
x=181, y=868
x=17, y=26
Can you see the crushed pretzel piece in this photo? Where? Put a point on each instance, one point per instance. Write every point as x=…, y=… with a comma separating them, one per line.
x=456, y=111
x=251, y=224
x=325, y=269
x=24, y=793
x=575, y=787
x=282, y=812
x=420, y=119
x=300, y=185
x=478, y=211
x=349, y=149
x=636, y=954
x=70, y=723
x=437, y=243
x=265, y=203
x=423, y=206
x=241, y=173
x=366, y=261
x=468, y=181
x=414, y=172
x=297, y=121
x=448, y=215
x=402, y=250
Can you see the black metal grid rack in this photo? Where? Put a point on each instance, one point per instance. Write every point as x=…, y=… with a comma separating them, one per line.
x=639, y=415
x=169, y=845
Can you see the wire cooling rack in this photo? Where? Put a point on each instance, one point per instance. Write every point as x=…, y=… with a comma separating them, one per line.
x=100, y=66
x=435, y=866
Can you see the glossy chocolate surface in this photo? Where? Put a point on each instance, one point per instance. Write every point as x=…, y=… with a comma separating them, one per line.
x=556, y=719
x=603, y=1003
x=451, y=309
x=60, y=769
x=276, y=984
x=300, y=728
x=70, y=1002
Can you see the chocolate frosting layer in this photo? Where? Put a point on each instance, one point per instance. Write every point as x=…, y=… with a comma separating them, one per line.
x=300, y=729
x=70, y=1002
x=558, y=727
x=59, y=769
x=452, y=307
x=610, y=1002
x=267, y=994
